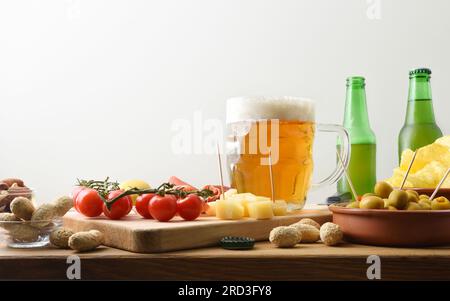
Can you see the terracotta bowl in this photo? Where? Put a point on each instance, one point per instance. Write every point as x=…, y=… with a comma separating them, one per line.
x=429, y=191
x=393, y=228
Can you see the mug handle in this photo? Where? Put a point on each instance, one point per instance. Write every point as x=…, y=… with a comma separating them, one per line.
x=344, y=151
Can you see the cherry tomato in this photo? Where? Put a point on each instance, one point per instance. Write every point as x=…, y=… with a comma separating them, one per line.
x=89, y=203
x=131, y=206
x=75, y=192
x=163, y=208
x=142, y=204
x=120, y=208
x=190, y=207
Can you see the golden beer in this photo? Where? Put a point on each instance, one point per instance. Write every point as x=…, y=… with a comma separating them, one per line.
x=291, y=168
x=270, y=145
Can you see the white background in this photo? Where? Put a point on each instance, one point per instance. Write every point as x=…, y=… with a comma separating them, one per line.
x=91, y=88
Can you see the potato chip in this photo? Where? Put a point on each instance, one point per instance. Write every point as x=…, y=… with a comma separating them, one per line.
x=397, y=181
x=429, y=166
x=429, y=176
x=425, y=155
x=446, y=183
x=444, y=141
x=435, y=152
x=399, y=173
x=397, y=178
x=405, y=159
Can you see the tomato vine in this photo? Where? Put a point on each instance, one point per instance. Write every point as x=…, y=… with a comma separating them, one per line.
x=106, y=186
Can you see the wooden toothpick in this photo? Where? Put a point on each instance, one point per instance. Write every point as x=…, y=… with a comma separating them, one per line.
x=440, y=184
x=409, y=168
x=272, y=186
x=219, y=159
x=349, y=180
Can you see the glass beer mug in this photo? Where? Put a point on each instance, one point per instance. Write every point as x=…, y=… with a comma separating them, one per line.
x=269, y=147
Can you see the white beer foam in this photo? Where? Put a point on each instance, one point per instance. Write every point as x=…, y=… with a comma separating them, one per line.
x=282, y=108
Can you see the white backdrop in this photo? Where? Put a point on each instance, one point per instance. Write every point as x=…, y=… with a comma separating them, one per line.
x=90, y=88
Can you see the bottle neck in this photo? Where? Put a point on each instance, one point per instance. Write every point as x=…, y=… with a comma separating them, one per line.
x=356, y=115
x=419, y=88
x=420, y=105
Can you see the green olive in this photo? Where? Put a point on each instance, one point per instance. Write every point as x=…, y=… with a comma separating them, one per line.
x=424, y=196
x=398, y=199
x=365, y=195
x=354, y=204
x=425, y=204
x=386, y=203
x=371, y=202
x=426, y=200
x=413, y=192
x=383, y=189
x=391, y=208
x=414, y=206
x=440, y=203
x=413, y=196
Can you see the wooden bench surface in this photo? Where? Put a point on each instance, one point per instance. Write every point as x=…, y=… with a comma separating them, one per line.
x=264, y=262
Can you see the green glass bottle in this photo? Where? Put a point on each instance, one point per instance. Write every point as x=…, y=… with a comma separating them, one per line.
x=420, y=126
x=362, y=167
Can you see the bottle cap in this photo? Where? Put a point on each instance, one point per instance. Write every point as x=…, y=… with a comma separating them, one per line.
x=356, y=80
x=237, y=243
x=420, y=71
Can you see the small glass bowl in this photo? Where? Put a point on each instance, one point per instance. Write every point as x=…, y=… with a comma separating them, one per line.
x=27, y=234
x=7, y=196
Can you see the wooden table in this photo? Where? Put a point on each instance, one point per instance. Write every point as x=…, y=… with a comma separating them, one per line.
x=305, y=262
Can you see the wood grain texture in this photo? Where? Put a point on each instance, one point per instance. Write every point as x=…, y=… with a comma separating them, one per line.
x=149, y=236
x=265, y=262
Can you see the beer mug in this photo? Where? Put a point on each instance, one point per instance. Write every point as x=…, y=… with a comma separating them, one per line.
x=269, y=147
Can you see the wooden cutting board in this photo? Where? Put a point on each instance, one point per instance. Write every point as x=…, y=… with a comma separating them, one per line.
x=149, y=236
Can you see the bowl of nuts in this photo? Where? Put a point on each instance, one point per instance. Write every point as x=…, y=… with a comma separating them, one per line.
x=26, y=234
x=11, y=188
x=28, y=226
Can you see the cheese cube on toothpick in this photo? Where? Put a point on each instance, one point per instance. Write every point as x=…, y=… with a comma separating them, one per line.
x=280, y=208
x=229, y=209
x=261, y=210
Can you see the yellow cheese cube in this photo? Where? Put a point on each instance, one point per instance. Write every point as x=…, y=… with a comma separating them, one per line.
x=245, y=203
x=238, y=196
x=230, y=192
x=229, y=209
x=246, y=196
x=280, y=208
x=262, y=199
x=244, y=199
x=260, y=210
x=211, y=211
